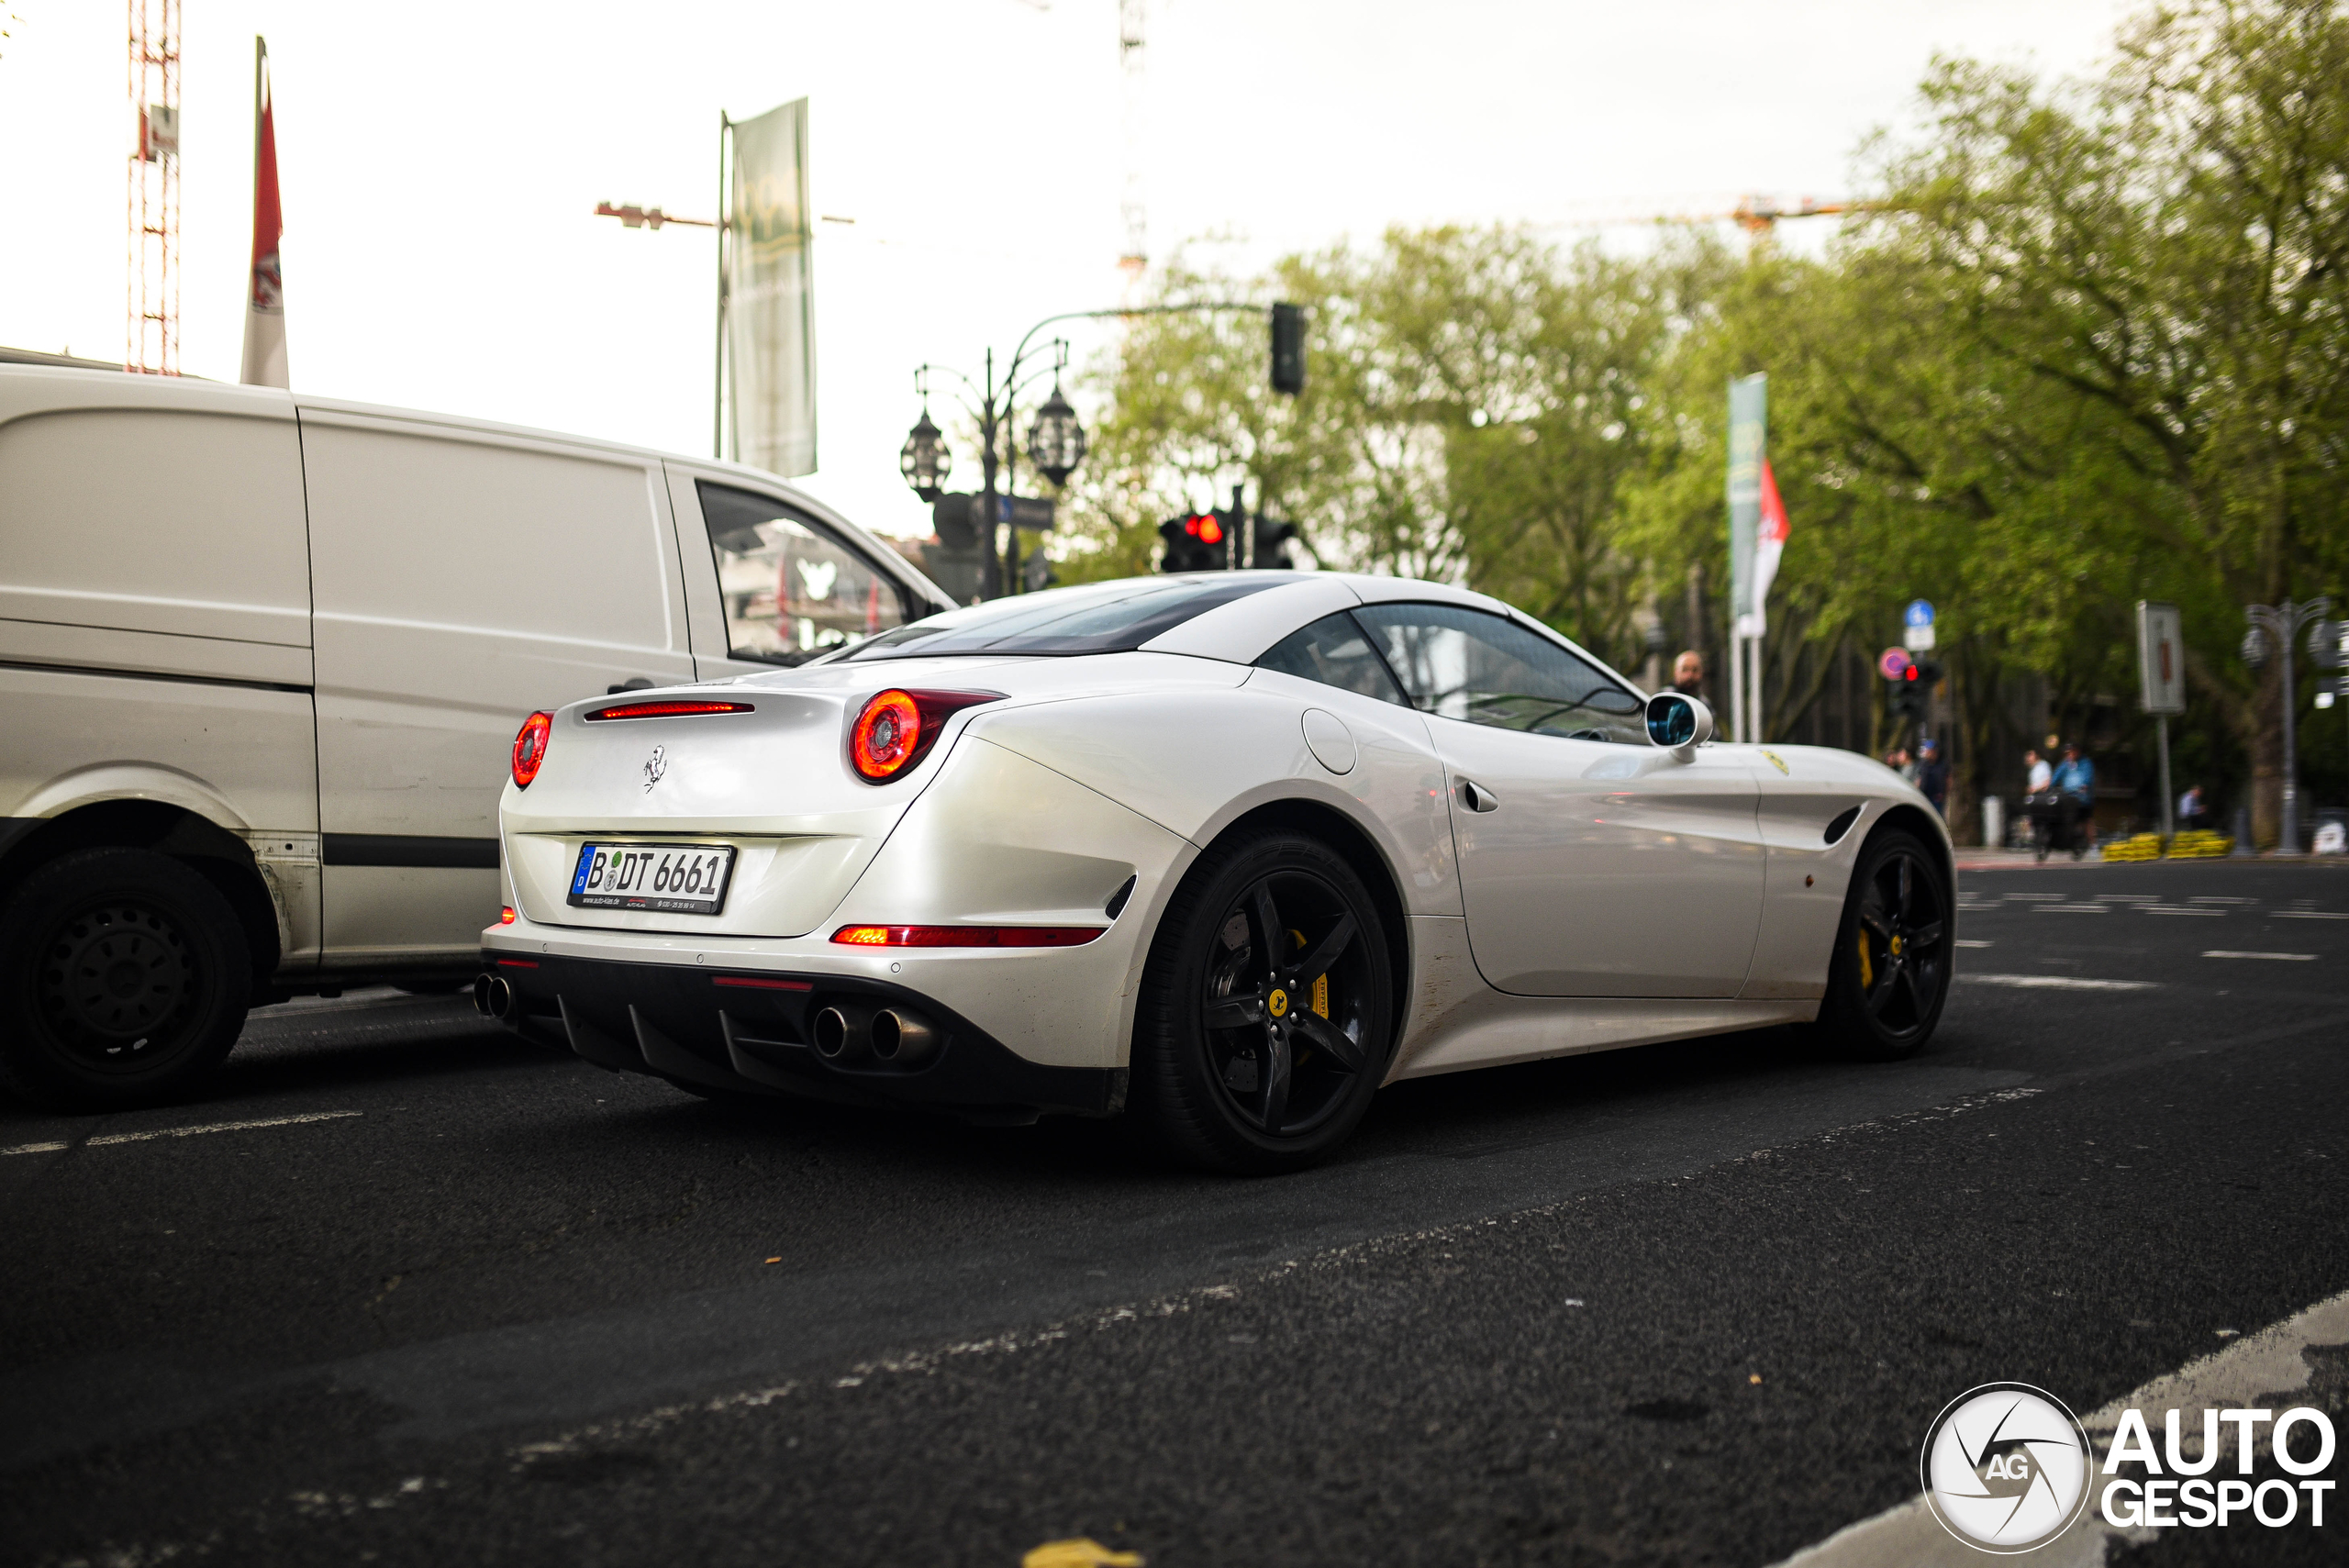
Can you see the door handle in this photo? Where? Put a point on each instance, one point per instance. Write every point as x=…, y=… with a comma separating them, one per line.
x=633, y=683
x=1476, y=798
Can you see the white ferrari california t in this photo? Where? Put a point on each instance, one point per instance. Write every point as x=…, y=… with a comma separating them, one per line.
x=1222, y=854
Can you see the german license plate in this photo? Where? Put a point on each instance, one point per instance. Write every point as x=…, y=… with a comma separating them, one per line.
x=673, y=879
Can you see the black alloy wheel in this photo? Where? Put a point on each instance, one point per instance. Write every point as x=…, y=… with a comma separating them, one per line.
x=125, y=977
x=1267, y=1011
x=1890, y=971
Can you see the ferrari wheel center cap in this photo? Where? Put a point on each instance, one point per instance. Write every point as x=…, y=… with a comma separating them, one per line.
x=1896, y=947
x=1277, y=1003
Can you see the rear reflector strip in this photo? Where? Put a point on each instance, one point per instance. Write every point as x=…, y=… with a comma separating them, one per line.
x=966, y=936
x=518, y=963
x=674, y=708
x=746, y=983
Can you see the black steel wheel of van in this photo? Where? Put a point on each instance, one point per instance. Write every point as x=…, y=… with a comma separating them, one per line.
x=124, y=979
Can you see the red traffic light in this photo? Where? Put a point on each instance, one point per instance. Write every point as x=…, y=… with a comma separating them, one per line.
x=1205, y=528
x=1909, y=673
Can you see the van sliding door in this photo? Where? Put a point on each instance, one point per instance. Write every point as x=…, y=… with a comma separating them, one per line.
x=462, y=580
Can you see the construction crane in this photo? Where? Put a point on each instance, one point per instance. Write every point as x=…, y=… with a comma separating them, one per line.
x=151, y=329
x=1759, y=216
x=1131, y=212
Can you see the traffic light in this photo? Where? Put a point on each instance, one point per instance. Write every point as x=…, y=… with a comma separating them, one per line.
x=1909, y=696
x=1271, y=552
x=1195, y=542
x=1288, y=348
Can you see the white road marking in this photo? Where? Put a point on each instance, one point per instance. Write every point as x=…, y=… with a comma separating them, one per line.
x=2308, y=915
x=2059, y=982
x=2213, y=898
x=181, y=1131
x=2071, y=909
x=2286, y=957
x=1969, y=942
x=2246, y=1373
x=2039, y=898
x=2182, y=909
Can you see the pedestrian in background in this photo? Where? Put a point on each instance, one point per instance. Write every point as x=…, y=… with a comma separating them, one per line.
x=1689, y=673
x=2075, y=782
x=1898, y=760
x=1932, y=774
x=2189, y=809
x=2039, y=778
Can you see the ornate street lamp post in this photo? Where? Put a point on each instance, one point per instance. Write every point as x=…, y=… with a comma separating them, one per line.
x=1055, y=443
x=2273, y=628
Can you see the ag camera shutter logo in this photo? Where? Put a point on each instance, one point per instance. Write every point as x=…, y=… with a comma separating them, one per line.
x=2005, y=1467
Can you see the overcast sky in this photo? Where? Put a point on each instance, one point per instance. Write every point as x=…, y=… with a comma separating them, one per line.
x=440, y=163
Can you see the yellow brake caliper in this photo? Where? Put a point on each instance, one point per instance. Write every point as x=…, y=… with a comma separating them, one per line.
x=1320, y=984
x=1867, y=970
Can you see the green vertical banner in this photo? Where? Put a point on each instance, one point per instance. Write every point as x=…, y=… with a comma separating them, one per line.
x=771, y=294
x=1749, y=408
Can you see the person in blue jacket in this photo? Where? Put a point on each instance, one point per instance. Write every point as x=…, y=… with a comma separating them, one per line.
x=2076, y=785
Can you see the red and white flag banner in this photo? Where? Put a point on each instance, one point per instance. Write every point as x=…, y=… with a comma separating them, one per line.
x=1769, y=543
x=265, y=299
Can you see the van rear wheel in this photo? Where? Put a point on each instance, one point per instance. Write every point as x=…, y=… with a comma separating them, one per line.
x=125, y=978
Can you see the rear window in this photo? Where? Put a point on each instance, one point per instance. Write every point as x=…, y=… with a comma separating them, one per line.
x=1098, y=618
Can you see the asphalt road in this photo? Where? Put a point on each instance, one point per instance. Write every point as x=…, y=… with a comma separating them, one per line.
x=467, y=1301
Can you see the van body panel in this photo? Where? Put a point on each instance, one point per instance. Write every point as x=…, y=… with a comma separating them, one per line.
x=462, y=581
x=109, y=651
x=156, y=520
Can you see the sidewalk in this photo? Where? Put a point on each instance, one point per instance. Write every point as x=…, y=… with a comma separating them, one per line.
x=1977, y=857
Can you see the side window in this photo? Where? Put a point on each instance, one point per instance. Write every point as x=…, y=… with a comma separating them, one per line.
x=1333, y=652
x=1469, y=665
x=791, y=589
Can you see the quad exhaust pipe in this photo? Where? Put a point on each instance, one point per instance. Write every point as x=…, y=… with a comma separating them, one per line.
x=493, y=998
x=853, y=1031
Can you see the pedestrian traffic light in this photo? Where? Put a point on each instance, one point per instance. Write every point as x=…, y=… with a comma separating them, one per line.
x=1912, y=692
x=1271, y=551
x=1288, y=348
x=1195, y=542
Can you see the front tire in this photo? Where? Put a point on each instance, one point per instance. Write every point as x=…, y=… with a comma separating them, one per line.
x=1266, y=1015
x=125, y=978
x=1890, y=971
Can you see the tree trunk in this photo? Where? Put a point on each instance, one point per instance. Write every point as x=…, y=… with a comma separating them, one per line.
x=2267, y=756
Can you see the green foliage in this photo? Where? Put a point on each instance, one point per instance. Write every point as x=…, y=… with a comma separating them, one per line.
x=2091, y=346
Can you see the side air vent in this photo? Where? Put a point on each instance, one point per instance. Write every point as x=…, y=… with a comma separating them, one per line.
x=1843, y=824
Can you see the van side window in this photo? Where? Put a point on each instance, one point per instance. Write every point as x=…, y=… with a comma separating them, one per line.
x=791, y=589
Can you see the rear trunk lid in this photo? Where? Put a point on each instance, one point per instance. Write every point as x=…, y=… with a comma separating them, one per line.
x=774, y=783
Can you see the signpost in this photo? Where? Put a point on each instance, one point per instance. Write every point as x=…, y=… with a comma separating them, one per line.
x=1893, y=664
x=1748, y=412
x=2161, y=685
x=1916, y=621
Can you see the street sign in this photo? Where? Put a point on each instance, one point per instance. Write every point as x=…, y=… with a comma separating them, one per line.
x=1919, y=613
x=2329, y=644
x=1024, y=511
x=2160, y=659
x=1893, y=664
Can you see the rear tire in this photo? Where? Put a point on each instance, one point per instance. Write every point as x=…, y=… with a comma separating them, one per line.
x=1242, y=1063
x=1890, y=971
x=125, y=978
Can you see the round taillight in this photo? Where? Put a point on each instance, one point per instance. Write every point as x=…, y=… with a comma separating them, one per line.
x=887, y=735
x=530, y=748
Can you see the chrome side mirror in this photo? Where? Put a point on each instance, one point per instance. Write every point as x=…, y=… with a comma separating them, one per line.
x=1679, y=724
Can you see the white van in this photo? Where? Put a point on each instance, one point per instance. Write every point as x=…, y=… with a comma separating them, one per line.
x=262, y=657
